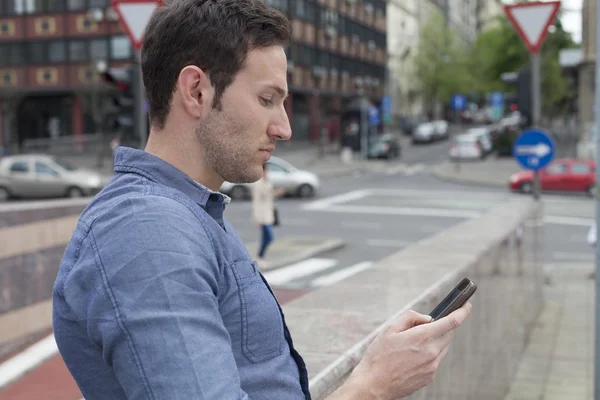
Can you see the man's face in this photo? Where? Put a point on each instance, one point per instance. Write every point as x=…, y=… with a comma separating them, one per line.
x=238, y=139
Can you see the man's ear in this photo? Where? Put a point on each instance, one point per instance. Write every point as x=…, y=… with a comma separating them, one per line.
x=195, y=90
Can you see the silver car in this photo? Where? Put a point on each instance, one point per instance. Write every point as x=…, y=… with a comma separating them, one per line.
x=283, y=175
x=45, y=176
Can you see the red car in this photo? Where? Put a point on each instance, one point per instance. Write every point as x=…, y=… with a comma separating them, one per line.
x=570, y=175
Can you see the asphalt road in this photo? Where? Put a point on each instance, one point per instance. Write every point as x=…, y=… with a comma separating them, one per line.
x=379, y=213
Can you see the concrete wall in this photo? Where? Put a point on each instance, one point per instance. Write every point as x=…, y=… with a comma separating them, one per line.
x=500, y=251
x=332, y=326
x=33, y=237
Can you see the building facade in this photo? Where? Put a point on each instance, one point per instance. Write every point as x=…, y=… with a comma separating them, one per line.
x=462, y=19
x=587, y=73
x=403, y=40
x=50, y=52
x=488, y=13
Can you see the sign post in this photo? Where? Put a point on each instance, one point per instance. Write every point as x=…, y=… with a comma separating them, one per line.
x=597, y=265
x=459, y=103
x=135, y=15
x=534, y=150
x=531, y=21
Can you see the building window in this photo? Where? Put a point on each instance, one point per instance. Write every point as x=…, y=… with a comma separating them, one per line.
x=279, y=4
x=120, y=48
x=99, y=49
x=74, y=5
x=98, y=3
x=57, y=51
x=77, y=50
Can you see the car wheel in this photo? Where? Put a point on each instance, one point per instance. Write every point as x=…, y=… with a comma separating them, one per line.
x=238, y=193
x=527, y=187
x=4, y=194
x=74, y=192
x=306, y=190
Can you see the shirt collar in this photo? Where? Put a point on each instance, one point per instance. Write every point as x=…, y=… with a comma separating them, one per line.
x=154, y=168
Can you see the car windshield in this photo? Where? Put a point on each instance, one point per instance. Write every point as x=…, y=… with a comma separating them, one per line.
x=66, y=165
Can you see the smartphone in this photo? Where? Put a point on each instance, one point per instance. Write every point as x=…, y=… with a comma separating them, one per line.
x=455, y=299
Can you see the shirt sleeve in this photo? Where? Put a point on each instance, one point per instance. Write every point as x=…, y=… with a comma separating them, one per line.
x=157, y=318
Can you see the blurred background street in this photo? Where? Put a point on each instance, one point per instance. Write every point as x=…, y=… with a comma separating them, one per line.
x=404, y=114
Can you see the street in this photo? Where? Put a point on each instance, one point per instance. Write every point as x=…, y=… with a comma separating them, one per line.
x=375, y=213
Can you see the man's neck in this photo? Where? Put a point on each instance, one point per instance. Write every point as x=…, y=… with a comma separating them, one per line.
x=185, y=155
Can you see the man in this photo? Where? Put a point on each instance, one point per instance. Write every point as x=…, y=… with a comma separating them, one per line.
x=157, y=297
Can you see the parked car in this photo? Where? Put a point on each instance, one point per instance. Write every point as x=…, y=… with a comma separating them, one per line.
x=466, y=147
x=385, y=146
x=424, y=133
x=282, y=174
x=441, y=129
x=46, y=176
x=572, y=175
x=484, y=136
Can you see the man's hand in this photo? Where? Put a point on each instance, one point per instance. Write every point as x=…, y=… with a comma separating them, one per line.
x=403, y=358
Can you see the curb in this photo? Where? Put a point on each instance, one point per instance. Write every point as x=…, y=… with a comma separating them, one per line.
x=468, y=180
x=328, y=245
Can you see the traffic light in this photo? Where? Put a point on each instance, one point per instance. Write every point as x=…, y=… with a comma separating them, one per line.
x=121, y=118
x=524, y=93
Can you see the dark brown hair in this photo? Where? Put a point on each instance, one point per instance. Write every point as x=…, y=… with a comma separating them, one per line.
x=215, y=35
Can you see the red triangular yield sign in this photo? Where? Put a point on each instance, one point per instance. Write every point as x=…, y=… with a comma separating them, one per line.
x=134, y=15
x=531, y=20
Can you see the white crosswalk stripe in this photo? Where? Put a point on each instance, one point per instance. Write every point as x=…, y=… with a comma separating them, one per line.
x=313, y=272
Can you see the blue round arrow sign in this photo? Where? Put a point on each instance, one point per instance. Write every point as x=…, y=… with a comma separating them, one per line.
x=534, y=149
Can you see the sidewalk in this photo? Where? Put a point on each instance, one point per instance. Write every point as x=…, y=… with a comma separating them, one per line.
x=291, y=250
x=492, y=171
x=558, y=362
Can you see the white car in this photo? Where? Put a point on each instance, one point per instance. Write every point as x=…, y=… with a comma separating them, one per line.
x=424, y=133
x=282, y=174
x=466, y=147
x=484, y=136
x=441, y=129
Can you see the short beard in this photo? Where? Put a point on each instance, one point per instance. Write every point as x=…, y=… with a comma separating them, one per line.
x=225, y=149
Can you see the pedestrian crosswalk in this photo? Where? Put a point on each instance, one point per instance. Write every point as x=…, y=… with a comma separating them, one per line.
x=313, y=273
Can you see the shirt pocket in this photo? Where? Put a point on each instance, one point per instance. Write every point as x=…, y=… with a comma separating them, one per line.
x=262, y=326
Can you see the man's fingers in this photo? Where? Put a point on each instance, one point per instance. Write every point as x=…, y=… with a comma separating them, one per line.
x=410, y=319
x=448, y=323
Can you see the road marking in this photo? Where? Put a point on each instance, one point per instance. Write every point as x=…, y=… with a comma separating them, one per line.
x=340, y=275
x=298, y=270
x=396, y=169
x=19, y=365
x=388, y=243
x=342, y=198
x=573, y=256
x=415, y=169
x=554, y=219
x=409, y=211
x=374, y=226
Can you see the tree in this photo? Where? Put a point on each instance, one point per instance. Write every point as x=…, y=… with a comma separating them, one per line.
x=501, y=50
x=440, y=63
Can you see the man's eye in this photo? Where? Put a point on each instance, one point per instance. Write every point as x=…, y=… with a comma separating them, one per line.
x=266, y=102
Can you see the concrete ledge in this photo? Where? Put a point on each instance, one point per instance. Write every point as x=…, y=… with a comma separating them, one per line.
x=446, y=172
x=500, y=251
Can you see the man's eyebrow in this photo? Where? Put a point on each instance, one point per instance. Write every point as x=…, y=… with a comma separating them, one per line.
x=282, y=92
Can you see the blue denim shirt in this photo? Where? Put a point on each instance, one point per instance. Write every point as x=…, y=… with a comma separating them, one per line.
x=158, y=298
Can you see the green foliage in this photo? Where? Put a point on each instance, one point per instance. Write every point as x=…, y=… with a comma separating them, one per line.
x=444, y=66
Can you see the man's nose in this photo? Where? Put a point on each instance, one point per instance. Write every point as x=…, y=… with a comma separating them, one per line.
x=281, y=130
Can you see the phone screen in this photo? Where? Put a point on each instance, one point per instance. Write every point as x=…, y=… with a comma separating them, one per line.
x=449, y=299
